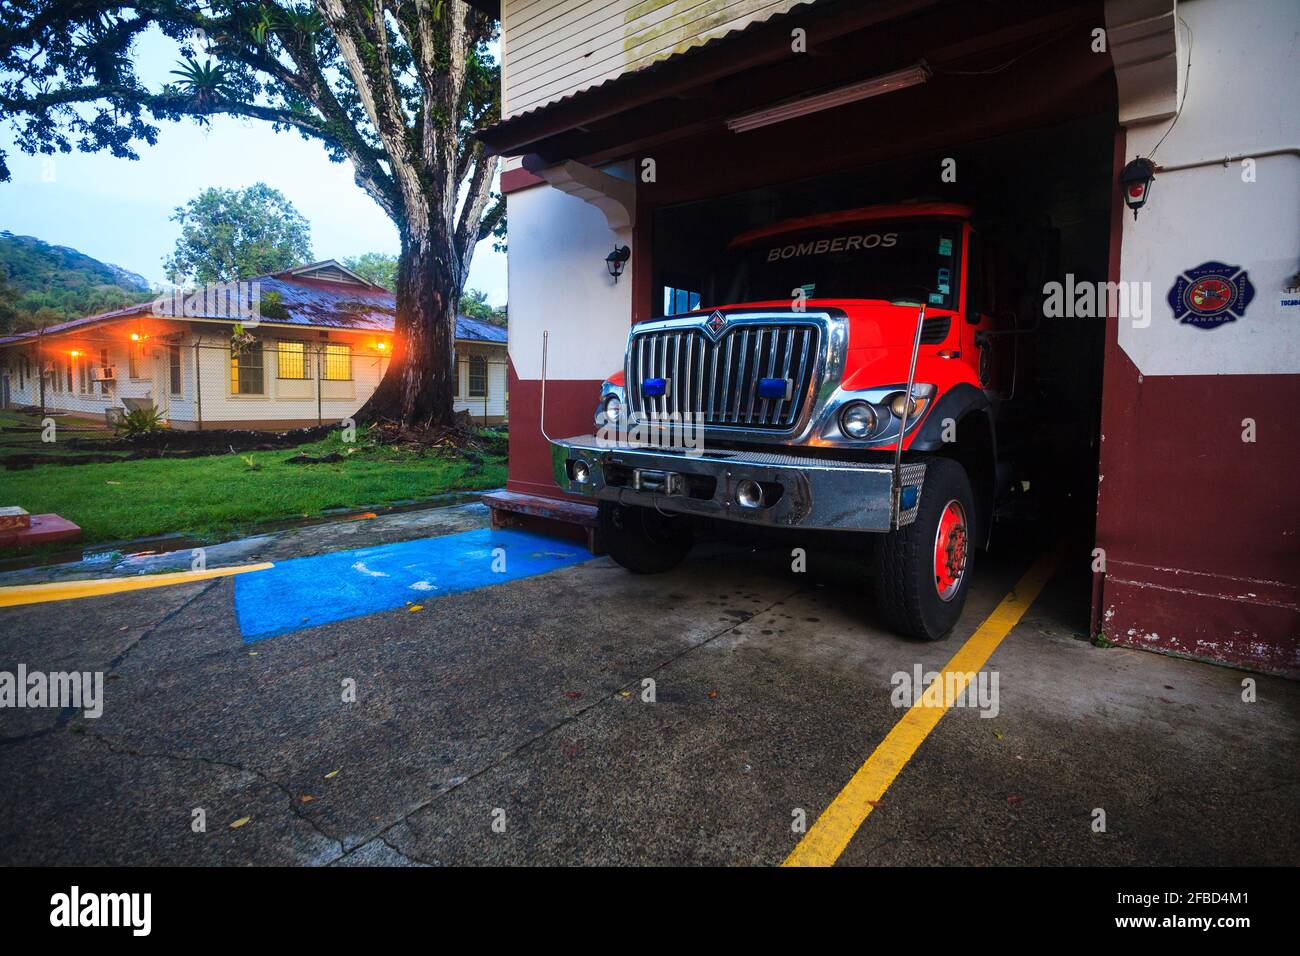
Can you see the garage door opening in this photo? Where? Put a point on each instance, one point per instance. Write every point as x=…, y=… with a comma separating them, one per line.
x=1041, y=203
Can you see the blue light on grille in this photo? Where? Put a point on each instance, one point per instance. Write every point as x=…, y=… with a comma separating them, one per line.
x=907, y=500
x=773, y=387
x=654, y=387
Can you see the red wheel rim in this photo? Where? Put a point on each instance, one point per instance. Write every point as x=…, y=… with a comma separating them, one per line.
x=950, y=541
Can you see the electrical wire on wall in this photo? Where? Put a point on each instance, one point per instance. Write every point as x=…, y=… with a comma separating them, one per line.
x=1187, y=79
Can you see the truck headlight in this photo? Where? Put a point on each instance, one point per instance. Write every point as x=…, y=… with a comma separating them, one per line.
x=896, y=406
x=613, y=409
x=920, y=398
x=858, y=419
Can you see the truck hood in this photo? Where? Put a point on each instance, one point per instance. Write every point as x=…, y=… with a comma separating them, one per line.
x=880, y=339
x=873, y=323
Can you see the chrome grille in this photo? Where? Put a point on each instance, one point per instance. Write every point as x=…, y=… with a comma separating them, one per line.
x=717, y=382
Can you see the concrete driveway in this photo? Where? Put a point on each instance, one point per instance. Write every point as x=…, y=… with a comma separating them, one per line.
x=512, y=724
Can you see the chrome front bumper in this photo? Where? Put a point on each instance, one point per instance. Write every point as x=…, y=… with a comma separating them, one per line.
x=799, y=492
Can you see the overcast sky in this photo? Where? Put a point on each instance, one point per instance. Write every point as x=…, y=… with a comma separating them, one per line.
x=119, y=210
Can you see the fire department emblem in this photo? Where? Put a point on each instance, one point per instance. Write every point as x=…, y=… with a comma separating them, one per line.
x=1211, y=295
x=716, y=323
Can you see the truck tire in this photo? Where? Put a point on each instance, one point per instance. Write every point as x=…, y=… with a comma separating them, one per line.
x=923, y=570
x=642, y=539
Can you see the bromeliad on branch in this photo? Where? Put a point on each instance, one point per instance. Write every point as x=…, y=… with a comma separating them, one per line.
x=394, y=88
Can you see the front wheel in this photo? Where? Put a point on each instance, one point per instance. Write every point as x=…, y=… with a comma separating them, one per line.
x=642, y=539
x=923, y=570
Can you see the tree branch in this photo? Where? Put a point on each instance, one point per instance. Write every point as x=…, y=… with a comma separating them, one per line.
x=471, y=213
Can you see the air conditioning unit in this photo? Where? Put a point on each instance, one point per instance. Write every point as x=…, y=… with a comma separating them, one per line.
x=105, y=373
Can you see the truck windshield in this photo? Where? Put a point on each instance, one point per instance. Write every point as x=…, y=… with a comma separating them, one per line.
x=888, y=261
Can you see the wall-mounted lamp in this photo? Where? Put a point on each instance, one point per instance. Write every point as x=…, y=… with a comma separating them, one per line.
x=1136, y=182
x=381, y=345
x=74, y=353
x=616, y=260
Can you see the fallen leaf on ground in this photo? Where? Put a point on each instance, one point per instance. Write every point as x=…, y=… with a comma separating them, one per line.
x=239, y=823
x=573, y=694
x=306, y=798
x=713, y=694
x=331, y=775
x=998, y=734
x=415, y=607
x=1013, y=799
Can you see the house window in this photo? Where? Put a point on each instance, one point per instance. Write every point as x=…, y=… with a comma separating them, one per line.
x=133, y=360
x=246, y=370
x=103, y=363
x=68, y=369
x=174, y=367
x=477, y=377
x=677, y=301
x=291, y=361
x=338, y=362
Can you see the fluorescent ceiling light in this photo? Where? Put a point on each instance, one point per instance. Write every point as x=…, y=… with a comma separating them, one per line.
x=898, y=80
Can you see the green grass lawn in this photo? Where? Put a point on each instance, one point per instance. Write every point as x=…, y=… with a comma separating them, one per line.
x=219, y=496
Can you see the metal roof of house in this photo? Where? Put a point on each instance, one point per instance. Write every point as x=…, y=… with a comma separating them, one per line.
x=301, y=296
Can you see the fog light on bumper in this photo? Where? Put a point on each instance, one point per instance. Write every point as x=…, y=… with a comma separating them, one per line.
x=749, y=493
x=581, y=471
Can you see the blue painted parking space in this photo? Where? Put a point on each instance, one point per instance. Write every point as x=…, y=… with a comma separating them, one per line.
x=307, y=592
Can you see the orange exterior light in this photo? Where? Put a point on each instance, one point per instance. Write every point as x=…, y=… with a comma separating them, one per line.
x=381, y=345
x=75, y=353
x=135, y=336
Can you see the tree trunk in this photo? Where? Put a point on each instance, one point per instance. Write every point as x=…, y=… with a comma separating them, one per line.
x=419, y=387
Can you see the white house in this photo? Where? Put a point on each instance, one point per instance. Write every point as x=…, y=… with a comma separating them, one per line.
x=317, y=342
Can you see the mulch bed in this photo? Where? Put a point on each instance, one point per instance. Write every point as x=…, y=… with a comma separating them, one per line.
x=462, y=439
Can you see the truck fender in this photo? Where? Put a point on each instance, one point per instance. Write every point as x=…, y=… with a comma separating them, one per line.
x=975, y=447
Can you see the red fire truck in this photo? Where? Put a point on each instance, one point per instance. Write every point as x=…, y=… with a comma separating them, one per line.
x=849, y=377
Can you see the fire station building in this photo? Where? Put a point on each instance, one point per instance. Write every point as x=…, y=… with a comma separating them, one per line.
x=1161, y=344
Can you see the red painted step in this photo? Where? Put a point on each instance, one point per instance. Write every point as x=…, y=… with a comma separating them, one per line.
x=42, y=530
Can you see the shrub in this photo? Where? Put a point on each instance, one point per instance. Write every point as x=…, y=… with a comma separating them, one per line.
x=140, y=421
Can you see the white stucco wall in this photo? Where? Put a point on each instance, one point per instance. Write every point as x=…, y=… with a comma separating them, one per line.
x=558, y=281
x=1240, y=101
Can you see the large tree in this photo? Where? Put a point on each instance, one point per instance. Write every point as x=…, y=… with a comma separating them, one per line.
x=229, y=234
x=392, y=86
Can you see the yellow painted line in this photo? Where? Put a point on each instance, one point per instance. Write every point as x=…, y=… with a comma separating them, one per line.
x=71, y=590
x=827, y=838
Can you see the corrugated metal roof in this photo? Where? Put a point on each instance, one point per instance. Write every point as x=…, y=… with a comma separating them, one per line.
x=487, y=133
x=477, y=331
x=297, y=300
